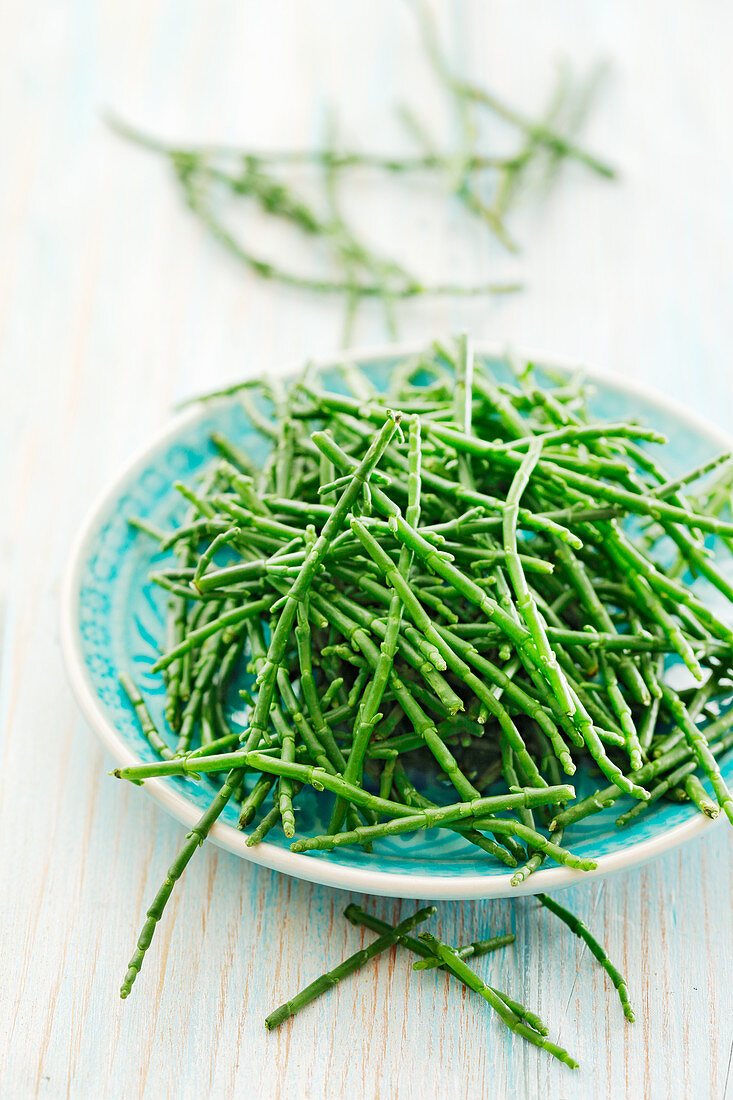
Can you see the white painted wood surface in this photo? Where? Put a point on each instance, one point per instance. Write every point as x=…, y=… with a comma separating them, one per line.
x=113, y=306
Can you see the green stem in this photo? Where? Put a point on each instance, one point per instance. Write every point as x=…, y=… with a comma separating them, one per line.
x=453, y=962
x=348, y=966
x=581, y=930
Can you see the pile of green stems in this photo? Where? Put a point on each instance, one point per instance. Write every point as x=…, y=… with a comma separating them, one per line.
x=434, y=604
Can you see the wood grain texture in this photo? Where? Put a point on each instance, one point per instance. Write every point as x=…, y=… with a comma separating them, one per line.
x=113, y=306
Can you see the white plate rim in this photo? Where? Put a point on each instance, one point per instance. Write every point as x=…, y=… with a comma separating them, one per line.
x=301, y=866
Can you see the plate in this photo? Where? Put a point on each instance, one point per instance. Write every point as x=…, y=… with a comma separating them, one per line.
x=112, y=618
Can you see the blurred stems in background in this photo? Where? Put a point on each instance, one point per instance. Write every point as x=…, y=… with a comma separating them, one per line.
x=487, y=183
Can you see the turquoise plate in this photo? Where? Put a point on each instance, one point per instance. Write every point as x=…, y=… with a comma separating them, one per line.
x=112, y=618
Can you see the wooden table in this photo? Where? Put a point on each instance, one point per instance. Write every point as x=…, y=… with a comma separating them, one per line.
x=113, y=306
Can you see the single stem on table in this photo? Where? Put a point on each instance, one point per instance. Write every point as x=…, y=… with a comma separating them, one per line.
x=348, y=966
x=581, y=930
x=453, y=962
